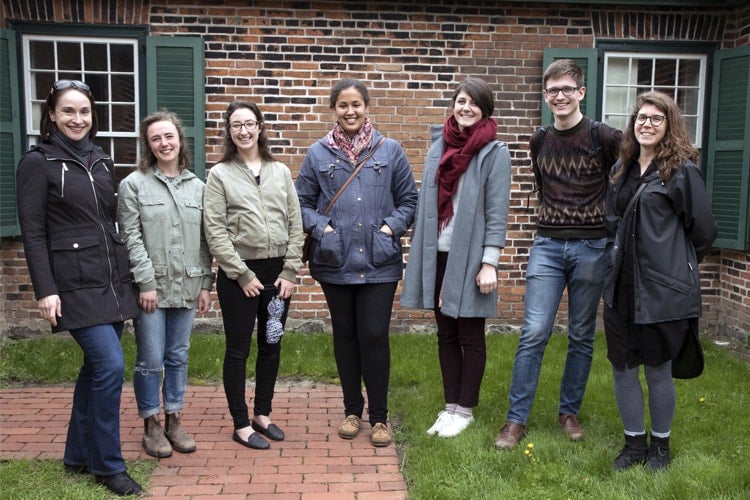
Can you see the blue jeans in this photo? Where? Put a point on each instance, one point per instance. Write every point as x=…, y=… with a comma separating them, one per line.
x=162, y=339
x=94, y=431
x=555, y=264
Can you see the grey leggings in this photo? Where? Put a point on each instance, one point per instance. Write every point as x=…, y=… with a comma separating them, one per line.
x=661, y=397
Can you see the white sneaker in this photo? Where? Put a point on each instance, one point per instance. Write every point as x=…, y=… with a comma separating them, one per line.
x=455, y=426
x=443, y=418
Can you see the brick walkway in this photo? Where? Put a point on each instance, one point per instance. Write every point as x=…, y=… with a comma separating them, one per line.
x=312, y=463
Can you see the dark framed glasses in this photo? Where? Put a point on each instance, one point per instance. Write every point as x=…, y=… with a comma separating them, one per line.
x=67, y=84
x=656, y=120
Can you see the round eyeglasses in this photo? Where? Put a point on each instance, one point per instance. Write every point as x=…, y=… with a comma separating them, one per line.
x=656, y=120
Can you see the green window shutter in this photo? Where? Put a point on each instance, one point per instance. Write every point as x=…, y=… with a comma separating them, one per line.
x=10, y=134
x=728, y=158
x=587, y=59
x=175, y=76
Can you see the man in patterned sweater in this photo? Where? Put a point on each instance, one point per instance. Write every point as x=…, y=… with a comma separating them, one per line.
x=571, y=161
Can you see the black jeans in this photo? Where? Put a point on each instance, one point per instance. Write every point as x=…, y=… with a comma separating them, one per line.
x=239, y=314
x=360, y=318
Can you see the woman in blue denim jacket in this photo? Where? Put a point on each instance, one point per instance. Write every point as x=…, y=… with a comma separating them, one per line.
x=356, y=253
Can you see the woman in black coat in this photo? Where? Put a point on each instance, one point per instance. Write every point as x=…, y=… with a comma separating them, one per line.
x=659, y=215
x=80, y=273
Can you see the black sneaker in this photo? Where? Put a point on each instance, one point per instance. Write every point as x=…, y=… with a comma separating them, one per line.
x=120, y=484
x=658, y=454
x=633, y=453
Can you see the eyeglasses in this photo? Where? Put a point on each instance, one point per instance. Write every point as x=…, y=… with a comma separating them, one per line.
x=66, y=84
x=656, y=120
x=555, y=91
x=248, y=124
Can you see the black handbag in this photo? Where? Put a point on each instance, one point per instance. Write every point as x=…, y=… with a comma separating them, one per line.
x=689, y=362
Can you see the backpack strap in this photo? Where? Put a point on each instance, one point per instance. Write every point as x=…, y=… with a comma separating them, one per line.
x=537, y=138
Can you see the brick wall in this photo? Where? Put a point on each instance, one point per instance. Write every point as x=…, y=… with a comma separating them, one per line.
x=285, y=56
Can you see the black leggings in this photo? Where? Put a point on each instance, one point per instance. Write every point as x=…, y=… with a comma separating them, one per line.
x=360, y=318
x=239, y=314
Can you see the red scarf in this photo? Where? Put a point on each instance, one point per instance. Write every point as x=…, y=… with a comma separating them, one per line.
x=460, y=147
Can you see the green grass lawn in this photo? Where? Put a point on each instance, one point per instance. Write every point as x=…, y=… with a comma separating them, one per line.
x=710, y=436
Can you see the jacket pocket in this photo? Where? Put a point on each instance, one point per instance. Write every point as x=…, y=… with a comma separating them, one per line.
x=385, y=248
x=119, y=256
x=667, y=281
x=152, y=208
x=193, y=281
x=329, y=251
x=77, y=263
x=193, y=211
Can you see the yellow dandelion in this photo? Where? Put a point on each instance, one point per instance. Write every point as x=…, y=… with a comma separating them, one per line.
x=702, y=400
x=530, y=445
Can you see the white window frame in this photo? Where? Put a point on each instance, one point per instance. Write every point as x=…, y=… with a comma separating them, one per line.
x=33, y=106
x=618, y=117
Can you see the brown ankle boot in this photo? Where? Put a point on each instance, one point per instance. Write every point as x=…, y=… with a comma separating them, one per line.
x=154, y=441
x=180, y=439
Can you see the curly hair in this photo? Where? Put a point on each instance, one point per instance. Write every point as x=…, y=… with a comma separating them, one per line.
x=147, y=158
x=673, y=150
x=230, y=148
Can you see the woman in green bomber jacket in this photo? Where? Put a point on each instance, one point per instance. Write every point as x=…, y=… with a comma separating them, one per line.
x=160, y=213
x=254, y=230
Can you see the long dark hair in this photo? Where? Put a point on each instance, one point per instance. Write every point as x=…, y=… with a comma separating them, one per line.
x=230, y=148
x=147, y=158
x=673, y=150
x=47, y=126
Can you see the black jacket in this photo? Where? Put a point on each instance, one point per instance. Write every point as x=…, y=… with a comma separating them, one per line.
x=674, y=229
x=72, y=246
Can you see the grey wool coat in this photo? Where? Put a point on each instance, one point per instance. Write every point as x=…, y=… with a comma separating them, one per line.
x=480, y=220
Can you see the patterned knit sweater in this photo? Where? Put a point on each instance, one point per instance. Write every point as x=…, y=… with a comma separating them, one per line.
x=571, y=168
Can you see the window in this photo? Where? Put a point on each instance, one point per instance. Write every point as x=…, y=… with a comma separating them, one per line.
x=108, y=66
x=682, y=76
x=131, y=74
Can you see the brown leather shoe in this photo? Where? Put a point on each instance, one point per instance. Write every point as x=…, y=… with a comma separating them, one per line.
x=510, y=435
x=571, y=426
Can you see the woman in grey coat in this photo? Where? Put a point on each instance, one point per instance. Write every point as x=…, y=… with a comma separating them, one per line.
x=457, y=238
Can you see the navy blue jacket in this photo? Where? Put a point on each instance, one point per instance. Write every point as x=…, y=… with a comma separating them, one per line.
x=384, y=192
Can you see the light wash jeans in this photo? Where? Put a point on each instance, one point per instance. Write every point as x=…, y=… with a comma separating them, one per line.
x=94, y=431
x=553, y=265
x=162, y=340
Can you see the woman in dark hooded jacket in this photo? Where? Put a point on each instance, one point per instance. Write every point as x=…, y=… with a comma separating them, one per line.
x=80, y=273
x=659, y=215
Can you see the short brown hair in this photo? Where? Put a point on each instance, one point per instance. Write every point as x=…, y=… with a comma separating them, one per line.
x=563, y=67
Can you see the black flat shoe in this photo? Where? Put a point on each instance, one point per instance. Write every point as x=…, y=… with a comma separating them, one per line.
x=254, y=441
x=120, y=484
x=271, y=432
x=75, y=469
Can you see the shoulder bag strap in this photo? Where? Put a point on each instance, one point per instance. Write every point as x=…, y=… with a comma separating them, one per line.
x=354, y=174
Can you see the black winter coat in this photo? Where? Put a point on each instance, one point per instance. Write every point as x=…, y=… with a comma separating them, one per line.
x=67, y=214
x=674, y=229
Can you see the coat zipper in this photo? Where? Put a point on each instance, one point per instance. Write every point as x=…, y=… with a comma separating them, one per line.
x=62, y=179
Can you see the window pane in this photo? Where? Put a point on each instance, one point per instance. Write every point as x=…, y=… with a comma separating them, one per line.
x=69, y=57
x=123, y=88
x=644, y=72
x=125, y=150
x=42, y=55
x=690, y=72
x=123, y=118
x=122, y=57
x=617, y=71
x=666, y=71
x=95, y=55
x=102, y=115
x=617, y=99
x=687, y=100
x=42, y=84
x=691, y=124
x=99, y=84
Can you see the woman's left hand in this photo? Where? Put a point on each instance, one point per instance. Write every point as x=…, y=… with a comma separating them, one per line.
x=285, y=288
x=487, y=278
